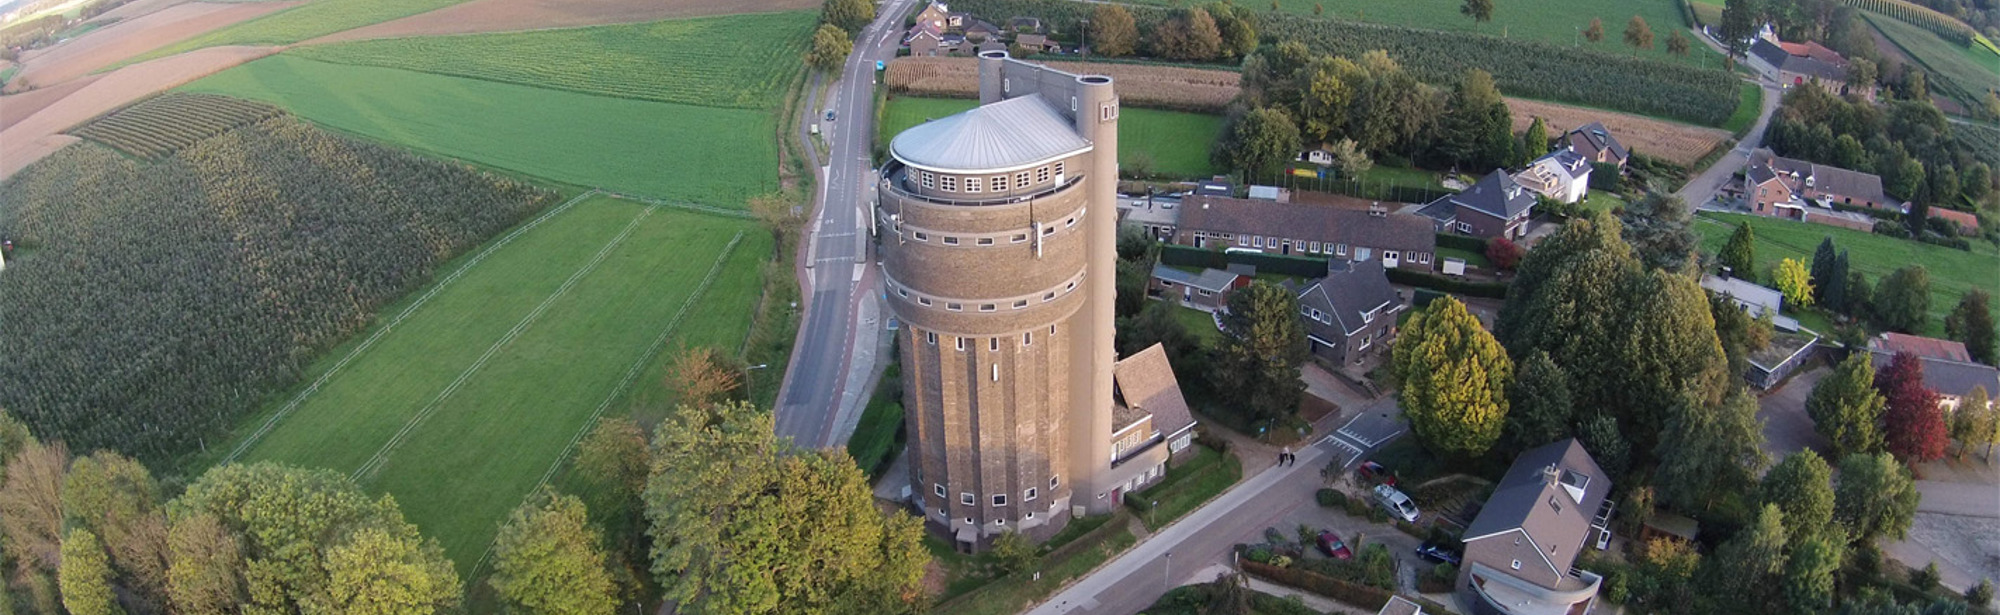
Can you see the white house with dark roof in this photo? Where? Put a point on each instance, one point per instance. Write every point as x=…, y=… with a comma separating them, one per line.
x=1562, y=175
x=1495, y=206
x=1520, y=551
x=1350, y=311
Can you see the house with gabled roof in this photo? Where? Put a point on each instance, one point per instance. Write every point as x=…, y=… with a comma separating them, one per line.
x=1595, y=143
x=929, y=39
x=1520, y=551
x=1949, y=369
x=1206, y=290
x=1562, y=175
x=1350, y=311
x=1494, y=206
x=1780, y=187
x=1301, y=229
x=1150, y=420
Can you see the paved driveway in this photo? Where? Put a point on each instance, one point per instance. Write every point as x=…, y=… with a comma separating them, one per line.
x=1787, y=427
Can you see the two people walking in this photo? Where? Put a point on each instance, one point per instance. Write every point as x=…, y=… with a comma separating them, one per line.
x=1287, y=458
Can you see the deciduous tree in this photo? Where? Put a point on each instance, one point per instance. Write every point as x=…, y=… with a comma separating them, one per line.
x=1638, y=34
x=1454, y=379
x=549, y=560
x=1478, y=132
x=1745, y=565
x=726, y=497
x=116, y=499
x=31, y=505
x=1976, y=423
x=1259, y=143
x=1260, y=355
x=1113, y=31
x=1660, y=228
x=1595, y=32
x=1740, y=253
x=1801, y=487
x=1013, y=552
x=1708, y=450
x=701, y=376
x=1971, y=322
x=830, y=47
x=1912, y=424
x=1875, y=497
x=1792, y=279
x=1677, y=44
x=205, y=571
x=1739, y=23
x=1189, y=34
x=1539, y=408
x=1846, y=408
x=1809, y=574
x=1481, y=11
x=613, y=458
x=86, y=576
x=1600, y=436
x=1239, y=33
x=388, y=571
x=849, y=15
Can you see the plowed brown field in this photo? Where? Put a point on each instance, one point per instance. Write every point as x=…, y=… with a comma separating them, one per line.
x=513, y=15
x=1171, y=87
x=36, y=136
x=122, y=40
x=17, y=107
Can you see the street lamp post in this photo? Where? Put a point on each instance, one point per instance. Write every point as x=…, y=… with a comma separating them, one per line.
x=1168, y=578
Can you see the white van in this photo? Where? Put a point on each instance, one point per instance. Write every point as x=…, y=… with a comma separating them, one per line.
x=1396, y=503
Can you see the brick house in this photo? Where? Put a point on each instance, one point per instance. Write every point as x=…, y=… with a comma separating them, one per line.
x=1596, y=144
x=1495, y=206
x=1207, y=290
x=1350, y=311
x=1308, y=230
x=927, y=39
x=1967, y=223
x=1778, y=187
x=1798, y=64
x=1520, y=550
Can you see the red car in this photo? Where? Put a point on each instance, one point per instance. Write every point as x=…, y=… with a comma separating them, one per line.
x=1331, y=545
x=1374, y=473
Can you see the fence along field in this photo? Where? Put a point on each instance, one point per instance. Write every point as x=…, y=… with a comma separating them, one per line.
x=742, y=61
x=461, y=407
x=155, y=303
x=173, y=122
x=1520, y=67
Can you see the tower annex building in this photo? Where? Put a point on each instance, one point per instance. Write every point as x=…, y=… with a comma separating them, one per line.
x=998, y=240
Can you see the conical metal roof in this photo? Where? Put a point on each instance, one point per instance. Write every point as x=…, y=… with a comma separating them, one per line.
x=1003, y=136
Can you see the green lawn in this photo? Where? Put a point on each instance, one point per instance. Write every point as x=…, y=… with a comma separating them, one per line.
x=1952, y=272
x=308, y=21
x=462, y=408
x=1169, y=144
x=1200, y=324
x=1548, y=21
x=1472, y=259
x=1749, y=104
x=1969, y=69
x=742, y=61
x=1599, y=200
x=1186, y=487
x=709, y=155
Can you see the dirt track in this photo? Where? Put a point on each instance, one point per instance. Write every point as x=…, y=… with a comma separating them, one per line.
x=18, y=107
x=123, y=40
x=32, y=138
x=513, y=15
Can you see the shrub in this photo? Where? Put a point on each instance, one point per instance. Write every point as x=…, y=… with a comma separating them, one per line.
x=1467, y=243
x=1376, y=514
x=1892, y=229
x=1980, y=595
x=1411, y=529
x=1615, y=588
x=1260, y=555
x=1445, y=571
x=1331, y=498
x=1437, y=282
x=1306, y=534
x=1368, y=598
x=1926, y=578
x=1355, y=507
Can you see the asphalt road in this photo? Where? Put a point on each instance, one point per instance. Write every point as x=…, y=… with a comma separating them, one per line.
x=809, y=405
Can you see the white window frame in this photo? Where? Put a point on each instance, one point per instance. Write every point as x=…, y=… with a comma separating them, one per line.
x=999, y=499
x=930, y=179
x=948, y=183
x=997, y=184
x=1042, y=175
x=972, y=185
x=1029, y=496
x=966, y=498
x=938, y=488
x=1021, y=180
x=961, y=344
x=930, y=337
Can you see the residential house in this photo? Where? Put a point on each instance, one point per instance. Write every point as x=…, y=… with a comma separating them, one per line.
x=976, y=29
x=1596, y=144
x=1311, y=230
x=1034, y=43
x=1792, y=345
x=1752, y=298
x=1948, y=367
x=1796, y=64
x=927, y=39
x=1495, y=206
x=1150, y=422
x=937, y=15
x=1520, y=550
x=1022, y=25
x=1350, y=311
x=1562, y=175
x=1157, y=217
x=1781, y=187
x=1207, y=290
x=1967, y=223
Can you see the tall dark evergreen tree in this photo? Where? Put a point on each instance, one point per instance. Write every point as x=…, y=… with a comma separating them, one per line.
x=1822, y=267
x=1740, y=253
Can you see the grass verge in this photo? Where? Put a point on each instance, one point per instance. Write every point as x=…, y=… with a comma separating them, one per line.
x=1186, y=487
x=880, y=432
x=1749, y=104
x=1013, y=593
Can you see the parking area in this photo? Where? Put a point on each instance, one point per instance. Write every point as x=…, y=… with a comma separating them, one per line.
x=1376, y=424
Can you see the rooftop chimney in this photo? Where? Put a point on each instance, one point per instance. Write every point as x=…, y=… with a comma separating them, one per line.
x=1551, y=476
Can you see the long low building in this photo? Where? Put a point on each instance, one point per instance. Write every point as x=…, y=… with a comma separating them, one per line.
x=1399, y=240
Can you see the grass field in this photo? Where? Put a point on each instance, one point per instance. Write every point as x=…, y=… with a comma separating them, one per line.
x=1749, y=104
x=709, y=155
x=307, y=21
x=1972, y=69
x=1150, y=141
x=742, y=61
x=462, y=401
x=1200, y=324
x=1952, y=272
x=1559, y=23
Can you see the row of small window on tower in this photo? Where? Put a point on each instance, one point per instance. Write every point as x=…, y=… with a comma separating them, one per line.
x=992, y=343
x=993, y=183
x=1019, y=304
x=953, y=240
x=998, y=499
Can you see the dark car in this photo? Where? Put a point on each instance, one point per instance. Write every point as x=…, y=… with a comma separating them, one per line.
x=1330, y=544
x=1372, y=472
x=1437, y=553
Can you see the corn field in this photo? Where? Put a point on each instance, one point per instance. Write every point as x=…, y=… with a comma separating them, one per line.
x=1139, y=85
x=151, y=305
x=160, y=126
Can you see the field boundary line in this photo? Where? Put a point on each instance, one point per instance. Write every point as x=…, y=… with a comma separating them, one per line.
x=382, y=455
x=369, y=342
x=733, y=213
x=631, y=374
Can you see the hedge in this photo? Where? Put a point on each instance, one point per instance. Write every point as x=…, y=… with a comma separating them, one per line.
x=1365, y=597
x=1490, y=290
x=1467, y=243
x=1879, y=214
x=1298, y=266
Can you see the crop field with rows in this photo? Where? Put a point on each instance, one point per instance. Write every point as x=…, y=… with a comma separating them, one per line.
x=307, y=21
x=156, y=304
x=1139, y=85
x=711, y=155
x=741, y=61
x=464, y=397
x=1589, y=75
x=161, y=126
x=1961, y=72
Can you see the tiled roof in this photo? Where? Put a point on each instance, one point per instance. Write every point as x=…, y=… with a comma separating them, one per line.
x=1805, y=64
x=1005, y=135
x=1964, y=219
x=1825, y=179
x=1955, y=378
x=1595, y=137
x=1347, y=294
x=1145, y=382
x=1522, y=500
x=1921, y=346
x=1496, y=194
x=1309, y=222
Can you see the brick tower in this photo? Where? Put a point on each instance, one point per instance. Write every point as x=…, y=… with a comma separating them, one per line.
x=999, y=230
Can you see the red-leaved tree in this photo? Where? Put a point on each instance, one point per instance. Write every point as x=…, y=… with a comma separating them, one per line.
x=1913, y=425
x=1504, y=253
